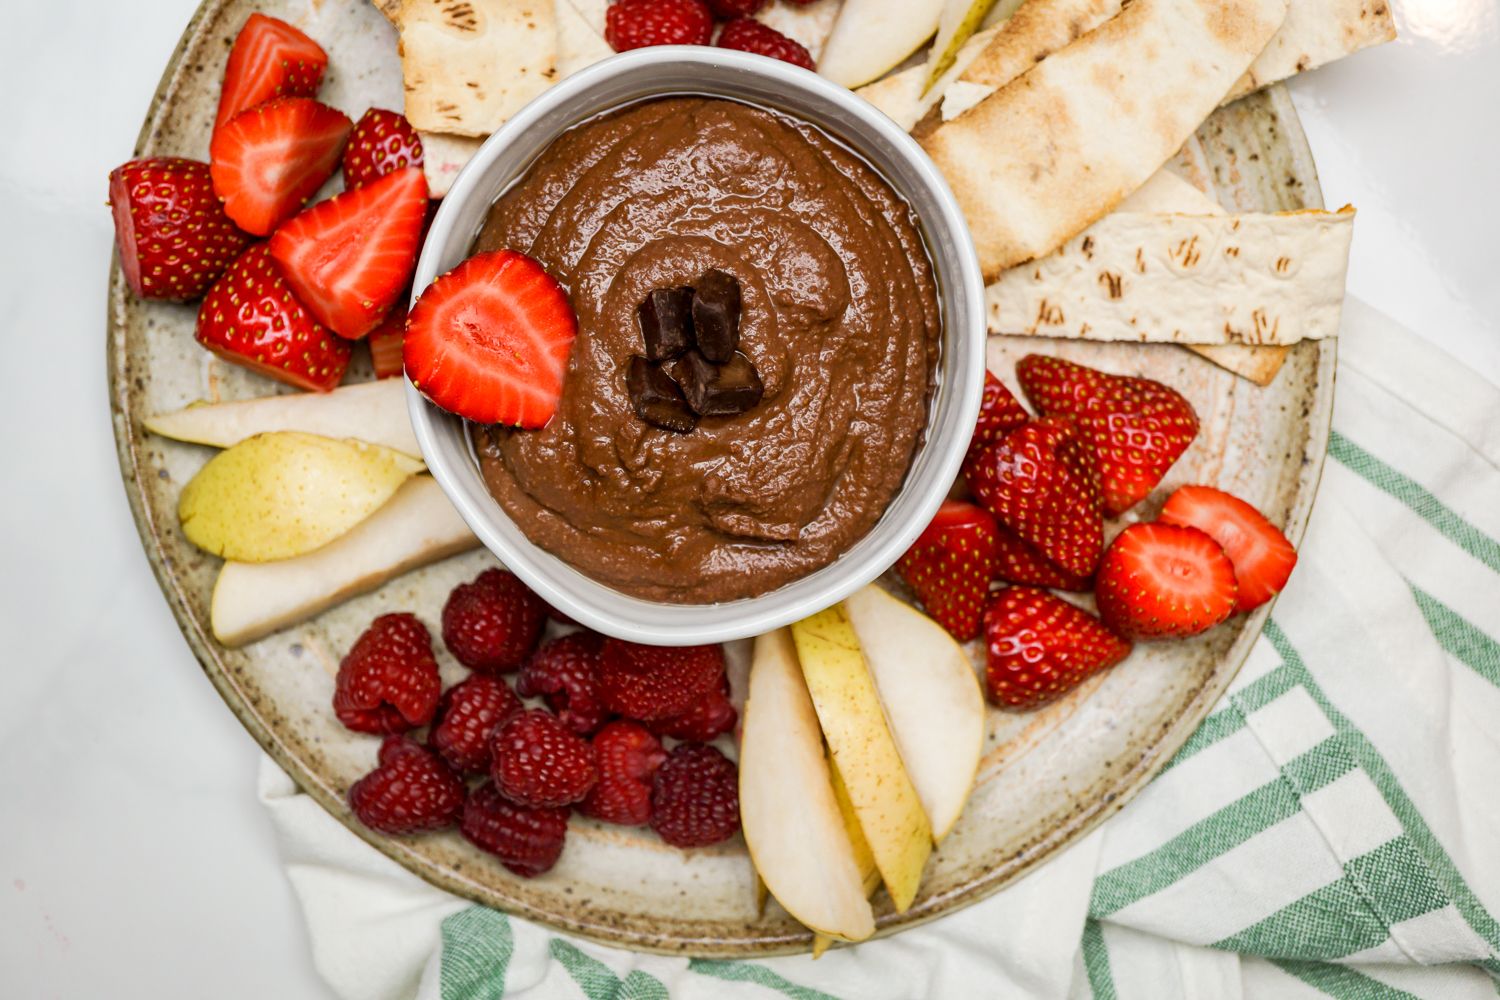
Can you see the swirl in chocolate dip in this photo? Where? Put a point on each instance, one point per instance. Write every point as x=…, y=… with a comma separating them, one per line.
x=839, y=317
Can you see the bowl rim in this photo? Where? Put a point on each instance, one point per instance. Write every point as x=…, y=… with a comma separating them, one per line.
x=685, y=624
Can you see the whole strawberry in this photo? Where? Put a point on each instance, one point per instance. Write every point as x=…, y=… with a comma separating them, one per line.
x=528, y=841
x=170, y=227
x=1018, y=561
x=999, y=414
x=466, y=718
x=382, y=142
x=647, y=683
x=251, y=318
x=628, y=757
x=565, y=674
x=1160, y=581
x=1041, y=483
x=411, y=791
x=695, y=797
x=388, y=682
x=537, y=761
x=636, y=24
x=1138, y=427
x=491, y=624
x=1039, y=647
x=711, y=715
x=950, y=564
x=749, y=35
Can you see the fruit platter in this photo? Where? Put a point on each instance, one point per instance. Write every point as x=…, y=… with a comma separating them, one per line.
x=698, y=350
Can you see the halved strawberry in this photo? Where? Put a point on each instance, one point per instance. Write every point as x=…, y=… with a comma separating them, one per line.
x=1160, y=581
x=268, y=160
x=386, y=341
x=1262, y=556
x=382, y=143
x=950, y=564
x=350, y=257
x=251, y=317
x=1137, y=426
x=173, y=235
x=489, y=340
x=1041, y=483
x=1038, y=646
x=270, y=59
x=1018, y=561
x=999, y=414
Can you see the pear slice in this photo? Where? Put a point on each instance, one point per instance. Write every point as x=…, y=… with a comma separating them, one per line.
x=931, y=697
x=418, y=526
x=864, y=752
x=370, y=411
x=862, y=854
x=788, y=812
x=900, y=95
x=871, y=37
x=279, y=495
x=959, y=20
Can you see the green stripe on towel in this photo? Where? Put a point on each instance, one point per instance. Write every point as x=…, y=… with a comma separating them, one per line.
x=1463, y=641
x=1096, y=962
x=746, y=972
x=477, y=946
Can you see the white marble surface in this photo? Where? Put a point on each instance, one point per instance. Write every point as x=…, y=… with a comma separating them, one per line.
x=134, y=860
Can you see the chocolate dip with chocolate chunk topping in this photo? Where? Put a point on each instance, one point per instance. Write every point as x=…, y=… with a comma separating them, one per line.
x=838, y=316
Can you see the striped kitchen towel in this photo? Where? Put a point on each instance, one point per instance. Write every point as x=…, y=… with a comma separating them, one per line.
x=1332, y=829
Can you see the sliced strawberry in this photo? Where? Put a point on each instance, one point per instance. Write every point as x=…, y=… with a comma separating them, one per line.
x=1041, y=483
x=350, y=257
x=386, y=340
x=999, y=414
x=1138, y=427
x=1262, y=556
x=251, y=317
x=1038, y=646
x=383, y=142
x=1160, y=581
x=270, y=59
x=489, y=340
x=1018, y=561
x=173, y=235
x=950, y=564
x=268, y=160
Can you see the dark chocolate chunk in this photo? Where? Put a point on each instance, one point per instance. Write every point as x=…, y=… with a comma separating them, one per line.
x=656, y=398
x=718, y=390
x=716, y=315
x=666, y=322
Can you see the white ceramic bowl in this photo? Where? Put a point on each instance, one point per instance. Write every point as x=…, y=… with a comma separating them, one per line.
x=655, y=72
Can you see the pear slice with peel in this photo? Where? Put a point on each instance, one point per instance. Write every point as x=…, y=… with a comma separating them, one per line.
x=959, y=20
x=370, y=411
x=931, y=696
x=788, y=812
x=871, y=37
x=279, y=495
x=862, y=855
x=864, y=751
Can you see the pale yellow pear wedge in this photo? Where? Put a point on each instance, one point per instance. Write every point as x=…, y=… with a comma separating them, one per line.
x=931, y=697
x=871, y=37
x=862, y=855
x=788, y=813
x=864, y=751
x=279, y=495
x=370, y=411
x=959, y=20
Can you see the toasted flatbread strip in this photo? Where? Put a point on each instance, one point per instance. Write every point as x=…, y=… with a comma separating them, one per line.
x=390, y=8
x=1048, y=153
x=468, y=65
x=1317, y=32
x=900, y=95
x=1184, y=279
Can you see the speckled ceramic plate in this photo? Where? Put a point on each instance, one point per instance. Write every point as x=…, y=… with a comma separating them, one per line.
x=1047, y=777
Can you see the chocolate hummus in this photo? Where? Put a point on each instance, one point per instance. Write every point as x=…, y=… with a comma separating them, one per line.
x=839, y=317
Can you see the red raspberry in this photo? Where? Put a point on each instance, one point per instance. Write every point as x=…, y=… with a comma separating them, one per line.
x=735, y=8
x=635, y=24
x=382, y=142
x=527, y=841
x=412, y=790
x=695, y=797
x=628, y=757
x=710, y=716
x=466, y=719
x=646, y=683
x=749, y=35
x=565, y=672
x=491, y=623
x=388, y=682
x=537, y=761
